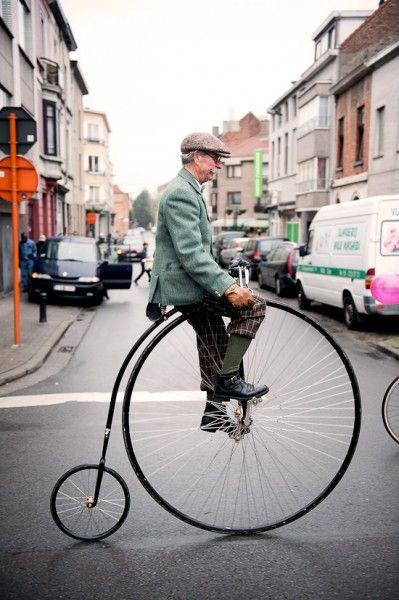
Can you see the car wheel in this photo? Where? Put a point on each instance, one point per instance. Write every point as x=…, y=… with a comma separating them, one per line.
x=351, y=316
x=303, y=301
x=278, y=287
x=260, y=280
x=98, y=297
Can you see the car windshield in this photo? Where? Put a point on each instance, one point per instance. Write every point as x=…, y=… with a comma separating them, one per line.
x=66, y=250
x=136, y=241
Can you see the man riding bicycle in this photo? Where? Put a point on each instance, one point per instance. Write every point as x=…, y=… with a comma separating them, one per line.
x=186, y=275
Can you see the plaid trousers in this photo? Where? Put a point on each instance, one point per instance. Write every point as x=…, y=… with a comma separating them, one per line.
x=213, y=335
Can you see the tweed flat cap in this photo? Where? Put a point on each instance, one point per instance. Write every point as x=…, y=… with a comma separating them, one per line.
x=204, y=141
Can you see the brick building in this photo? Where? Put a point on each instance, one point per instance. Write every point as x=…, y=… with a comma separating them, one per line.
x=122, y=205
x=232, y=196
x=367, y=100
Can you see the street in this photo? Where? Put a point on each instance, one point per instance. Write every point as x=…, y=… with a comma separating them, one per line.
x=53, y=420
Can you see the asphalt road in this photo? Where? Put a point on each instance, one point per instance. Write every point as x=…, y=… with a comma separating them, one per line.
x=345, y=548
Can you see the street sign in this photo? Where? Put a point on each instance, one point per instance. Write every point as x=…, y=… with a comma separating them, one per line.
x=258, y=173
x=26, y=129
x=27, y=179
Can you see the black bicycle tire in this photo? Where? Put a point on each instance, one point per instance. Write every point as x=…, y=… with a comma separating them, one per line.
x=384, y=409
x=187, y=519
x=66, y=530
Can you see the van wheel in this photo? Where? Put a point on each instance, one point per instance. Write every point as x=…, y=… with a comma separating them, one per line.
x=351, y=316
x=303, y=302
x=278, y=287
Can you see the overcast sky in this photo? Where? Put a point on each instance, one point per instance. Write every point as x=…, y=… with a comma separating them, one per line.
x=163, y=68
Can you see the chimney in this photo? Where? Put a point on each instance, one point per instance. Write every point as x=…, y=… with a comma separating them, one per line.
x=215, y=131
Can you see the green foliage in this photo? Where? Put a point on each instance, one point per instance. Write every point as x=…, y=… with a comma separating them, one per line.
x=142, y=207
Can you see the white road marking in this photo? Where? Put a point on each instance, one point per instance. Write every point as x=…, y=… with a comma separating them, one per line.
x=48, y=399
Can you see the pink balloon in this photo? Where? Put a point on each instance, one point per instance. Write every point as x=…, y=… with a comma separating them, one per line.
x=385, y=288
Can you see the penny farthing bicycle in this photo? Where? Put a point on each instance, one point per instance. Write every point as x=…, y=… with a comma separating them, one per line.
x=286, y=454
x=390, y=409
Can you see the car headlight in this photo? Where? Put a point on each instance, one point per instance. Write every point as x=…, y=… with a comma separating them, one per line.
x=40, y=276
x=89, y=279
x=119, y=251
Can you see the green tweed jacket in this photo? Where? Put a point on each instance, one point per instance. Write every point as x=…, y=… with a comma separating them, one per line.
x=184, y=269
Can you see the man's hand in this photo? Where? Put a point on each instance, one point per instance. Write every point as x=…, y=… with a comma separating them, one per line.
x=239, y=297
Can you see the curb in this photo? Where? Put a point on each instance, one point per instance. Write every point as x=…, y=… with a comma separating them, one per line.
x=386, y=348
x=36, y=362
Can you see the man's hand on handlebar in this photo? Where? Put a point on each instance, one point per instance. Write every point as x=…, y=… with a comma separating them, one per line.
x=239, y=297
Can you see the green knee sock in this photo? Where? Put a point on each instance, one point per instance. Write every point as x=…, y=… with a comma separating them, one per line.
x=236, y=348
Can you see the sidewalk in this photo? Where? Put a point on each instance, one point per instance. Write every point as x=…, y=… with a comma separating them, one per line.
x=37, y=339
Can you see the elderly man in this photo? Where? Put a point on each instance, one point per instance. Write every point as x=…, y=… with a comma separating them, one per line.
x=185, y=274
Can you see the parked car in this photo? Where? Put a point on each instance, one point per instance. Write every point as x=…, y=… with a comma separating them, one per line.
x=257, y=249
x=278, y=270
x=234, y=247
x=221, y=240
x=130, y=250
x=71, y=267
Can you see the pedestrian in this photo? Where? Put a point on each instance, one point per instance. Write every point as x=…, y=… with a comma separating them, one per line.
x=40, y=244
x=27, y=254
x=145, y=262
x=186, y=275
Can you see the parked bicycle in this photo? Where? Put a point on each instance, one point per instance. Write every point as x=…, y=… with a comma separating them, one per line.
x=390, y=409
x=284, y=455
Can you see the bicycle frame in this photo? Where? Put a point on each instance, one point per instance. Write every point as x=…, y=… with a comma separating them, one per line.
x=114, y=396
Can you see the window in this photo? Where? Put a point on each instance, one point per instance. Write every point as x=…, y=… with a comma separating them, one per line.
x=380, y=130
x=94, y=193
x=24, y=27
x=234, y=171
x=93, y=132
x=278, y=156
x=294, y=106
x=340, y=143
x=321, y=173
x=5, y=98
x=312, y=175
x=313, y=115
x=286, y=114
x=94, y=162
x=331, y=37
x=50, y=128
x=273, y=161
x=359, y=134
x=286, y=153
x=233, y=198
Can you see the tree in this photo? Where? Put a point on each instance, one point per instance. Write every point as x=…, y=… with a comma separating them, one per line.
x=143, y=209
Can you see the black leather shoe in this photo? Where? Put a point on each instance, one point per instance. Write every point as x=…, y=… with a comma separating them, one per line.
x=233, y=386
x=215, y=419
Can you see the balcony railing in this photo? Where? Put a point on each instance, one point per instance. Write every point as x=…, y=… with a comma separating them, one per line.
x=312, y=185
x=318, y=122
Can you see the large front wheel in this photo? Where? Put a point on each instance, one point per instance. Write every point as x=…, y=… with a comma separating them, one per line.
x=264, y=464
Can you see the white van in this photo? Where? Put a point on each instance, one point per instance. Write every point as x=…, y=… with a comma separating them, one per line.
x=348, y=245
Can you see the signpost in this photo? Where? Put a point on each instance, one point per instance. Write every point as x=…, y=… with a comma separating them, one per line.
x=18, y=181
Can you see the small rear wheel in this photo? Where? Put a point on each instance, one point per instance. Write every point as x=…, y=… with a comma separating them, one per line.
x=390, y=410
x=73, y=494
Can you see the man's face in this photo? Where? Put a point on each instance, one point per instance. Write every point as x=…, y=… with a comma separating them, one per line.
x=207, y=163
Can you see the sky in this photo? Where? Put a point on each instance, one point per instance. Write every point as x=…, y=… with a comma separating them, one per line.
x=161, y=69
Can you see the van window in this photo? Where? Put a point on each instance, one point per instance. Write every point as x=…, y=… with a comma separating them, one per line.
x=66, y=250
x=389, y=240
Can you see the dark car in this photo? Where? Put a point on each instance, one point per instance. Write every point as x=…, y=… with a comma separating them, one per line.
x=257, y=249
x=278, y=270
x=71, y=267
x=221, y=240
x=233, y=250
x=131, y=248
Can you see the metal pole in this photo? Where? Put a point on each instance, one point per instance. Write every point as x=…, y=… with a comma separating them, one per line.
x=15, y=226
x=43, y=308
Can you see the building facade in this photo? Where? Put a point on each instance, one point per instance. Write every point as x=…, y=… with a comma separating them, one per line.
x=235, y=199
x=367, y=101
x=302, y=133
x=36, y=73
x=122, y=205
x=98, y=172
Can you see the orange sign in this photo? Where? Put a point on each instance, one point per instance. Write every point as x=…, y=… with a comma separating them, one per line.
x=91, y=218
x=27, y=179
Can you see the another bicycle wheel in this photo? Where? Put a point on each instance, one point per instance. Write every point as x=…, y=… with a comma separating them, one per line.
x=291, y=452
x=390, y=410
x=73, y=494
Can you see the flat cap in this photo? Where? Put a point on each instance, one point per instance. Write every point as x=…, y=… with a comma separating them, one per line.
x=204, y=141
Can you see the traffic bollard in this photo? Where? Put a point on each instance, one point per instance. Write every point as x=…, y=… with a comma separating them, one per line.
x=43, y=307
